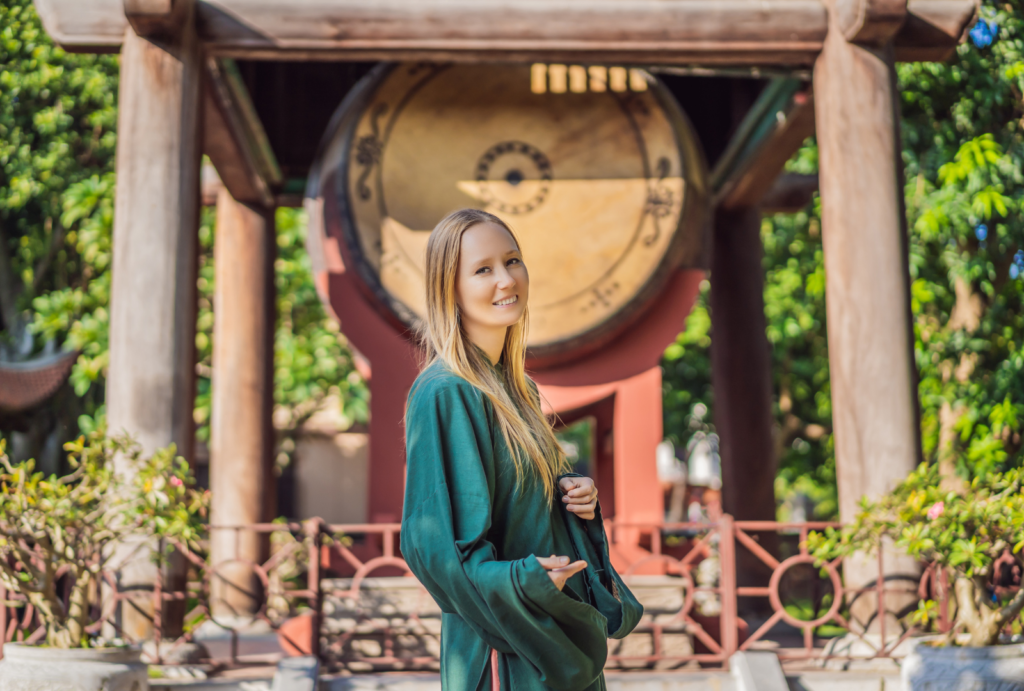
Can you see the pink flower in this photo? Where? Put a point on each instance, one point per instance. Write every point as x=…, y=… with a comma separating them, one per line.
x=936, y=510
x=176, y=482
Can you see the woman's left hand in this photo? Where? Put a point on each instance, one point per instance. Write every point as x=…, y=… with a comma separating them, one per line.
x=579, y=496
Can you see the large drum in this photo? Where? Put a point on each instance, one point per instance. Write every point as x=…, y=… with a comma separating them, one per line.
x=601, y=176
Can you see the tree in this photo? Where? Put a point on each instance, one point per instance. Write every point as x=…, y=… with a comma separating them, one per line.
x=58, y=116
x=963, y=152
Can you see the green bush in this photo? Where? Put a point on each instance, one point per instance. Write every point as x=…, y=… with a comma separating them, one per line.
x=52, y=528
x=959, y=527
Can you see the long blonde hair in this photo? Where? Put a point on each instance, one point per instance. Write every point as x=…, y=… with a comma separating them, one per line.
x=527, y=433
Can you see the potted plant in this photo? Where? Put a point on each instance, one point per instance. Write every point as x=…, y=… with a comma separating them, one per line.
x=975, y=532
x=57, y=535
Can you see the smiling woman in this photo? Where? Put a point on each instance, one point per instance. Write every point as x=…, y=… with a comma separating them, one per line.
x=492, y=286
x=480, y=514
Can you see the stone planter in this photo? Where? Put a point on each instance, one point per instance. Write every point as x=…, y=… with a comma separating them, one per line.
x=993, y=668
x=32, y=668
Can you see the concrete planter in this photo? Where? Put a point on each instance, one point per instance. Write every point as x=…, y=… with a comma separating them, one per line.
x=993, y=668
x=32, y=668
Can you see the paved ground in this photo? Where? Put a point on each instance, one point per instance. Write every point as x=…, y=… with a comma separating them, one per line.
x=617, y=681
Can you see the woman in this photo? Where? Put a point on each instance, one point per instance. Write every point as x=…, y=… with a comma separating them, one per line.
x=484, y=468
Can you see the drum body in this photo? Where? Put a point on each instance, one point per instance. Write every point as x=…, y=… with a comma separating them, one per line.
x=605, y=189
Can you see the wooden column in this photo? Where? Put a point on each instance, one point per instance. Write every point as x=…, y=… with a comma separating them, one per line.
x=742, y=380
x=151, y=382
x=741, y=367
x=242, y=390
x=870, y=339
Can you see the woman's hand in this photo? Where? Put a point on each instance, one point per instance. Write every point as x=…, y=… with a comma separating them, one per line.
x=559, y=568
x=579, y=496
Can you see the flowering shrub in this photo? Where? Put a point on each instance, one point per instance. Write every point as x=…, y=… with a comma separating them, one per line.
x=966, y=529
x=54, y=528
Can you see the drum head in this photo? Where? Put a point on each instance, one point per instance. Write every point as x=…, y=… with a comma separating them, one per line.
x=605, y=189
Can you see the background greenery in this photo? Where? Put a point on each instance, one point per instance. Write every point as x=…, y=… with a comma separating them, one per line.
x=58, y=122
x=962, y=150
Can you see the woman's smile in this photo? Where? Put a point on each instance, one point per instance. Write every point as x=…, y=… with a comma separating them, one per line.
x=507, y=301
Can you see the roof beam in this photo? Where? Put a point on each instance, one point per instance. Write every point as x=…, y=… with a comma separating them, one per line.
x=234, y=139
x=691, y=32
x=776, y=126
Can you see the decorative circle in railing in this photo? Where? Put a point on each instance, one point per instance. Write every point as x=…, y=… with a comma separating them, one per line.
x=605, y=188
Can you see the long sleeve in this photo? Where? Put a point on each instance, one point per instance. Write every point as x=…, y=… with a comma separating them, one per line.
x=606, y=590
x=512, y=605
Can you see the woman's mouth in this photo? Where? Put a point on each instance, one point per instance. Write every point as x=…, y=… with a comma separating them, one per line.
x=507, y=301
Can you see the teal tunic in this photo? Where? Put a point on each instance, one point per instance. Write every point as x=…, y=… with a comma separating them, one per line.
x=470, y=534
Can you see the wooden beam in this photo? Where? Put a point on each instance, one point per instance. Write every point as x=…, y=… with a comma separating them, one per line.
x=870, y=21
x=776, y=126
x=668, y=32
x=84, y=25
x=150, y=391
x=873, y=376
x=152, y=18
x=792, y=192
x=241, y=428
x=741, y=377
x=933, y=30
x=234, y=139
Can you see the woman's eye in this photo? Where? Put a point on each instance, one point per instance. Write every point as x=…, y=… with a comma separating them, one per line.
x=511, y=261
x=482, y=269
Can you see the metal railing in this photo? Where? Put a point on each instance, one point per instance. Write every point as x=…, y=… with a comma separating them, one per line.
x=320, y=572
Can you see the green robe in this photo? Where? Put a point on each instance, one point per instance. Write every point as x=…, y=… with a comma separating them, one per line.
x=470, y=534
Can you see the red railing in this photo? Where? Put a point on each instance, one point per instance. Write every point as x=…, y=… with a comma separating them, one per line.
x=317, y=575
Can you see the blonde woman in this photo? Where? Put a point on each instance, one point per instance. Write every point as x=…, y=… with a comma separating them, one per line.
x=507, y=542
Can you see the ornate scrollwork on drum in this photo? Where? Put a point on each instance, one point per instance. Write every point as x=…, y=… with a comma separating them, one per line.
x=606, y=190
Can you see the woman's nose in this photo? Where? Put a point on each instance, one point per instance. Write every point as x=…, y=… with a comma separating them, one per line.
x=505, y=279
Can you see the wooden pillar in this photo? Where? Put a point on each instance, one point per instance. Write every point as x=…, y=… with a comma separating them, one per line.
x=870, y=338
x=242, y=391
x=151, y=383
x=741, y=367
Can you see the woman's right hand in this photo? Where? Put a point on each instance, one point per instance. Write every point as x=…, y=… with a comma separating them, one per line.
x=559, y=568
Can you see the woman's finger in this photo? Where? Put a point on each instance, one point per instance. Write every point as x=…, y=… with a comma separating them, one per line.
x=582, y=491
x=584, y=499
x=553, y=562
x=561, y=575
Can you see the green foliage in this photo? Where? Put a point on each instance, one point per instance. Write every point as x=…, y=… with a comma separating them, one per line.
x=686, y=373
x=312, y=360
x=964, y=530
x=57, y=141
x=52, y=526
x=963, y=153
x=57, y=128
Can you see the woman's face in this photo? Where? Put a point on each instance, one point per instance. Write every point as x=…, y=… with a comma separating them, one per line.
x=492, y=284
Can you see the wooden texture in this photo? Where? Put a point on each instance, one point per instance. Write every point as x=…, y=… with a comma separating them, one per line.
x=705, y=32
x=933, y=29
x=777, y=133
x=154, y=17
x=741, y=367
x=785, y=31
x=668, y=31
x=151, y=382
x=791, y=192
x=86, y=25
x=234, y=139
x=870, y=21
x=242, y=390
x=605, y=190
x=871, y=363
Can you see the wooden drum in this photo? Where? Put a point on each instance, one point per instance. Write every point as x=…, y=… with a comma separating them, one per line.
x=600, y=175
